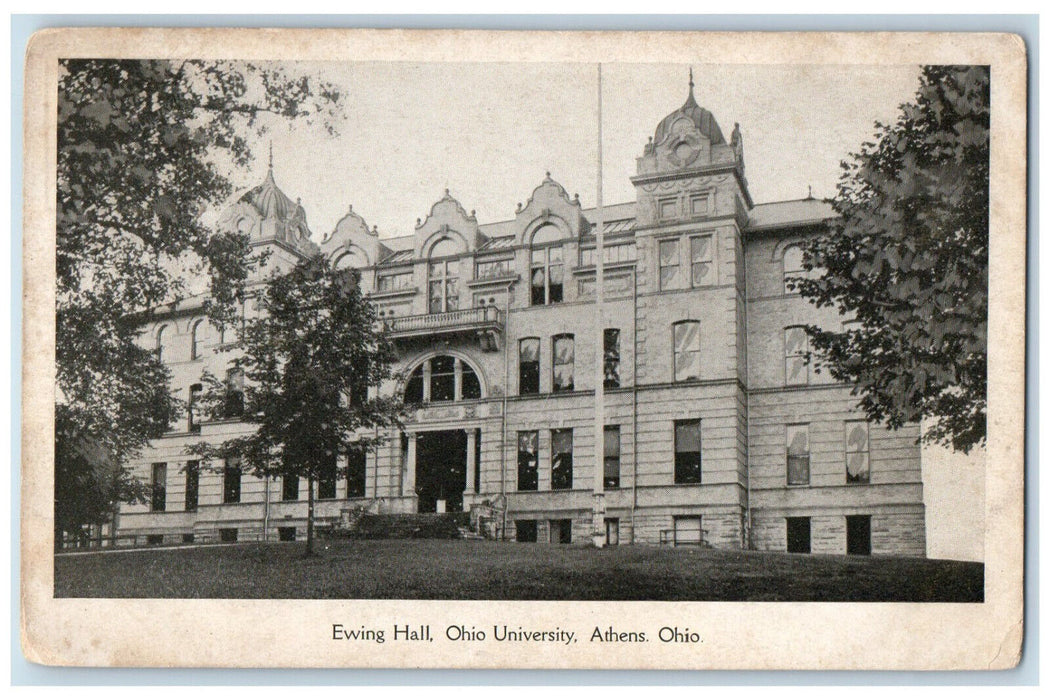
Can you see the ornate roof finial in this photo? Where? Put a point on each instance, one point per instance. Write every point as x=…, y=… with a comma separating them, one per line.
x=690, y=81
x=271, y=155
x=810, y=195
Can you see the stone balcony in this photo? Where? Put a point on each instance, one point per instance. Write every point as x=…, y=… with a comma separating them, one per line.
x=485, y=322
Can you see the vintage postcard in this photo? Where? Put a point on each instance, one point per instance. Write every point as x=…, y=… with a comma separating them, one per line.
x=457, y=349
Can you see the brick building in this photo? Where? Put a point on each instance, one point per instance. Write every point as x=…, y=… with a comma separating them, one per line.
x=715, y=427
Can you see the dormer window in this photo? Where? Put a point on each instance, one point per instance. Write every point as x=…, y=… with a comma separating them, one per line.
x=443, y=277
x=547, y=266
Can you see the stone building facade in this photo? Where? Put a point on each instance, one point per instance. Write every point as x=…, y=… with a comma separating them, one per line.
x=716, y=430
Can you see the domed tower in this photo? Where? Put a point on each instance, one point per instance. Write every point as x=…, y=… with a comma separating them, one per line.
x=270, y=218
x=690, y=316
x=688, y=170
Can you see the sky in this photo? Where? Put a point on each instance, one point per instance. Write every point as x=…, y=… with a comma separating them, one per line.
x=489, y=133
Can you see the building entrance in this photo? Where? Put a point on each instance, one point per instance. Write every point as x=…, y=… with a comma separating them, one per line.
x=441, y=470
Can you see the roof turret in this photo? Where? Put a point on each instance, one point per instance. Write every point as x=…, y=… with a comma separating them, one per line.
x=703, y=120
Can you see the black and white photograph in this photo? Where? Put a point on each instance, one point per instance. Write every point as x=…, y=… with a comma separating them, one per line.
x=571, y=329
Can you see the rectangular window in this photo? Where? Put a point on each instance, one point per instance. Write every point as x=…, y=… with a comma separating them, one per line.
x=858, y=469
x=525, y=530
x=187, y=538
x=796, y=349
x=529, y=366
x=701, y=255
x=493, y=268
x=797, y=446
x=798, y=535
x=564, y=354
x=687, y=452
x=289, y=488
x=611, y=343
x=228, y=534
x=231, y=481
x=154, y=539
x=688, y=531
x=700, y=204
x=668, y=208
x=528, y=460
x=355, y=474
x=686, y=350
x=858, y=534
x=193, y=408
x=612, y=457
x=443, y=378
x=393, y=281
x=547, y=276
x=234, y=392
x=561, y=458
x=158, y=499
x=193, y=481
x=443, y=286
x=327, y=478
x=669, y=264
x=561, y=531
x=286, y=534
x=617, y=253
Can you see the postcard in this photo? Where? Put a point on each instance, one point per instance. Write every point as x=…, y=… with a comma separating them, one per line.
x=476, y=349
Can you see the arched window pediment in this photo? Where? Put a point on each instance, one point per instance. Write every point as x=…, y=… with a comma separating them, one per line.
x=445, y=247
x=546, y=234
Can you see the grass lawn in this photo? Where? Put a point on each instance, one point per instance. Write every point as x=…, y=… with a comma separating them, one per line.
x=482, y=570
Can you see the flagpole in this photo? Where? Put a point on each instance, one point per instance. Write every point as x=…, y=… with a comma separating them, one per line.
x=598, y=505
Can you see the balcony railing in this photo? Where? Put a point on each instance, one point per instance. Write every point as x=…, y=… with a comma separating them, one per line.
x=485, y=321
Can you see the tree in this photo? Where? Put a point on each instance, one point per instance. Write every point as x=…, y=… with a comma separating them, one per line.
x=908, y=260
x=143, y=152
x=309, y=358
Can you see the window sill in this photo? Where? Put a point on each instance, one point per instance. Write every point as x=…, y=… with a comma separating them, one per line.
x=393, y=293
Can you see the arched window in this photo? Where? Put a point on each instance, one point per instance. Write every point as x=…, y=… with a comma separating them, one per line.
x=442, y=378
x=546, y=234
x=792, y=266
x=546, y=268
x=350, y=259
x=196, y=339
x=158, y=348
x=443, y=277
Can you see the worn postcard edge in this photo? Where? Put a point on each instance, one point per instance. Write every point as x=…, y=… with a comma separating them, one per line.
x=296, y=633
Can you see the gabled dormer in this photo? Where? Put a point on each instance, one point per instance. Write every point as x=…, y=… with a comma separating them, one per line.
x=549, y=205
x=448, y=226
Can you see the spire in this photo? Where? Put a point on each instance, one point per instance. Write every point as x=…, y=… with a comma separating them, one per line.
x=271, y=156
x=691, y=100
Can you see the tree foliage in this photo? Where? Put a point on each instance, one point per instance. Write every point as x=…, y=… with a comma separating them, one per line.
x=144, y=148
x=908, y=260
x=309, y=354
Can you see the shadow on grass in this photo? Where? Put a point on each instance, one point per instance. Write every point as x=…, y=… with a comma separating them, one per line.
x=473, y=570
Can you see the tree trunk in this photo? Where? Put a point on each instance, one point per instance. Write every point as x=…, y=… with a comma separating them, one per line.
x=310, y=516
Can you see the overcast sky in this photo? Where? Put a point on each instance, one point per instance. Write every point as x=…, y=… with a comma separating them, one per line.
x=489, y=132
